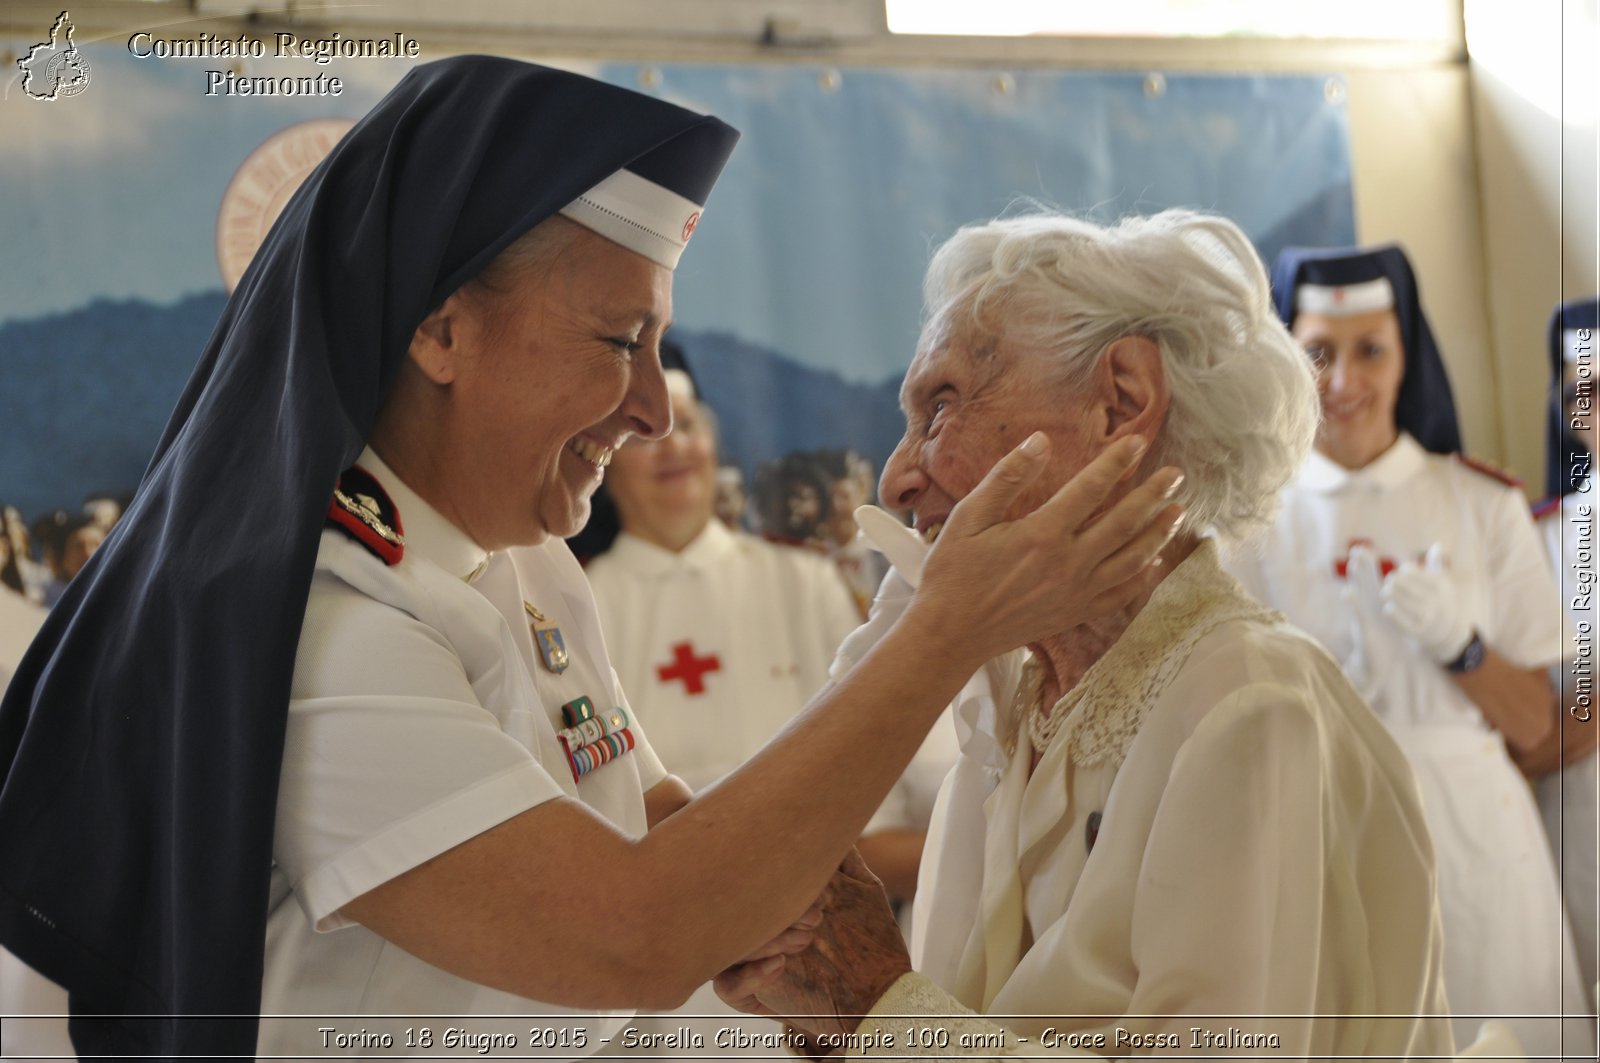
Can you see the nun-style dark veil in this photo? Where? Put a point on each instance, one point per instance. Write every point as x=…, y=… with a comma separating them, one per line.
x=141, y=737
x=1426, y=408
x=1565, y=464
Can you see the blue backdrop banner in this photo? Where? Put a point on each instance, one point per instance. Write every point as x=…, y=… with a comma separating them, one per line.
x=132, y=203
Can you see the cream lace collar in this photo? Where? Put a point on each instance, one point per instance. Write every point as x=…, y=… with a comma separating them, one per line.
x=1101, y=715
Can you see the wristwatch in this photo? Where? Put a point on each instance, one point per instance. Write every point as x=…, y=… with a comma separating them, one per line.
x=1470, y=658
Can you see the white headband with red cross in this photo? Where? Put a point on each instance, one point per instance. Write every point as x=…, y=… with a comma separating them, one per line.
x=1344, y=300
x=639, y=214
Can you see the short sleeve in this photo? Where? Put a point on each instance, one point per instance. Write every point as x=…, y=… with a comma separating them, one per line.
x=389, y=758
x=1526, y=621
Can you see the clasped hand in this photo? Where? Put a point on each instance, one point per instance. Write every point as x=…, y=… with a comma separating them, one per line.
x=1420, y=599
x=855, y=953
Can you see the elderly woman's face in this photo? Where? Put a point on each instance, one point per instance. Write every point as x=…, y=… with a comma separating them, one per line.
x=969, y=399
x=553, y=376
x=1359, y=361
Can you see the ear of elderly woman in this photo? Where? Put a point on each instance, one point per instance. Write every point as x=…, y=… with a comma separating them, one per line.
x=1172, y=810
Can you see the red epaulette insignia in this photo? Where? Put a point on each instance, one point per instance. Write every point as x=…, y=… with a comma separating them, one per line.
x=363, y=510
x=1488, y=470
x=1546, y=506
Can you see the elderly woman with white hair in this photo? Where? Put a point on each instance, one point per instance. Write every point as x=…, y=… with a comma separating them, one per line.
x=1178, y=829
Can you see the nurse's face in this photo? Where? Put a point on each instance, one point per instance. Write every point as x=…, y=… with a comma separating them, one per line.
x=665, y=488
x=1359, y=362
x=547, y=378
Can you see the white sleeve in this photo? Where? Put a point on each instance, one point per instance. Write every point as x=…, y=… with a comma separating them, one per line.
x=389, y=759
x=940, y=1027
x=1574, y=582
x=1526, y=620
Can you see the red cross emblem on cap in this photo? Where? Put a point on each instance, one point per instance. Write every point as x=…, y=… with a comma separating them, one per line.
x=689, y=668
x=691, y=225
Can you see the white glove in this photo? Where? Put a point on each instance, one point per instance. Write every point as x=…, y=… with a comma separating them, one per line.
x=894, y=596
x=905, y=550
x=1371, y=635
x=1422, y=601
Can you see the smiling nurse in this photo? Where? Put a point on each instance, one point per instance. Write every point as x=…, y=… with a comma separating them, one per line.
x=1423, y=575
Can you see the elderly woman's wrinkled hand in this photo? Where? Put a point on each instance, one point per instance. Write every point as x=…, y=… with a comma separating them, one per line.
x=856, y=953
x=766, y=961
x=1005, y=583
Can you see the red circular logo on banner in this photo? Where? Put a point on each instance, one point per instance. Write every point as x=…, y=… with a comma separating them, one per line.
x=690, y=226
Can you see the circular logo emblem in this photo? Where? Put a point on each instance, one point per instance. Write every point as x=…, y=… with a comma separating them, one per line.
x=68, y=72
x=261, y=188
x=691, y=225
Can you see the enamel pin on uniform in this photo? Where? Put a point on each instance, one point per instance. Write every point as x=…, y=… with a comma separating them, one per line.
x=547, y=637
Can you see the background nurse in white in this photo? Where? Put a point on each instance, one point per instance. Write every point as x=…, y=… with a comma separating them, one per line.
x=1564, y=767
x=1424, y=577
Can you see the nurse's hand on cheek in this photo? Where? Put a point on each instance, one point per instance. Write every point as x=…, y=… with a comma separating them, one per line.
x=1000, y=583
x=1423, y=602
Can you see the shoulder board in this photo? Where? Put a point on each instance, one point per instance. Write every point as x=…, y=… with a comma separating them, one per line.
x=363, y=510
x=1546, y=507
x=1488, y=470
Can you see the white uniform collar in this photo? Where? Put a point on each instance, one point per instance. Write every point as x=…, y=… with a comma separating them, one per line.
x=707, y=548
x=1404, y=459
x=428, y=534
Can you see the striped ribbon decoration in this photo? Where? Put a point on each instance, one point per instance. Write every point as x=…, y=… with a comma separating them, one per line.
x=588, y=758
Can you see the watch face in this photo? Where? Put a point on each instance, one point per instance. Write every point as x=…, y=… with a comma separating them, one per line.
x=1470, y=658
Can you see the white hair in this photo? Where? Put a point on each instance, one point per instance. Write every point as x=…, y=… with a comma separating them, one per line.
x=1244, y=407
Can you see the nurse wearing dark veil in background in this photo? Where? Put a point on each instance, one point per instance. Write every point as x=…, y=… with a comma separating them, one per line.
x=1564, y=767
x=335, y=669
x=1422, y=574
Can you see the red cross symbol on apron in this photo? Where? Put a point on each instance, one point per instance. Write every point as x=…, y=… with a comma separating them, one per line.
x=689, y=668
